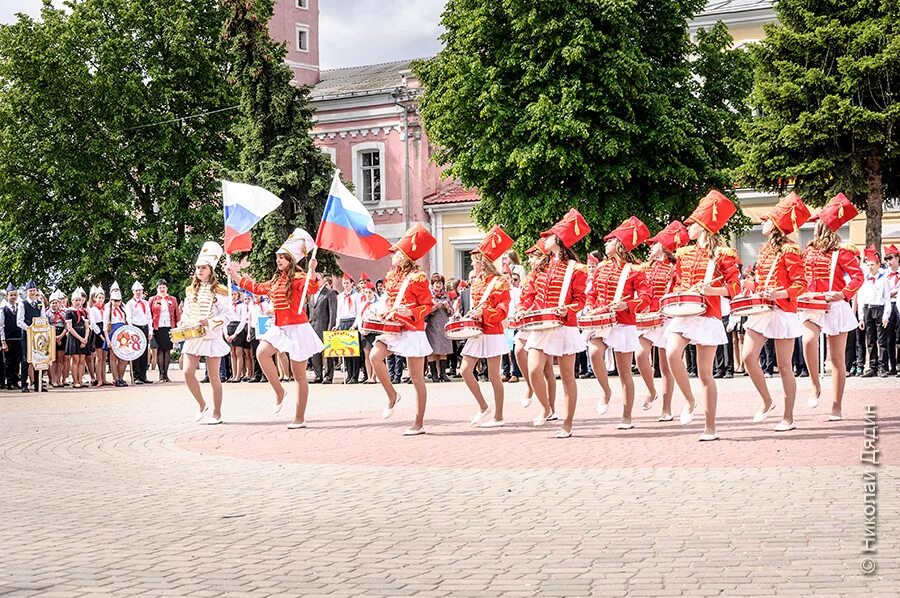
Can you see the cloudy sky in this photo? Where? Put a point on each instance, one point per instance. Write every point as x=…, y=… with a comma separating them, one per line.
x=353, y=32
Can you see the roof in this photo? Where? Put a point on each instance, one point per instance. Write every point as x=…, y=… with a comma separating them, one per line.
x=719, y=7
x=455, y=193
x=359, y=80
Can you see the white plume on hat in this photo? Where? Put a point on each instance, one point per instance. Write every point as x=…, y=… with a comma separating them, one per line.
x=210, y=254
x=137, y=286
x=298, y=244
x=79, y=292
x=56, y=295
x=115, y=292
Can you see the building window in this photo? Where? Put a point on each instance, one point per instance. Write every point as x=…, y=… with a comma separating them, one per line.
x=331, y=153
x=304, y=4
x=463, y=263
x=302, y=38
x=370, y=175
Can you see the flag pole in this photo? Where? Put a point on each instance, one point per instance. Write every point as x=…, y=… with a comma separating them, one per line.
x=309, y=273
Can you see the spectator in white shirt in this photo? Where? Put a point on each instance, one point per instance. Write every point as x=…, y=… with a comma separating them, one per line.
x=873, y=311
x=137, y=310
x=347, y=312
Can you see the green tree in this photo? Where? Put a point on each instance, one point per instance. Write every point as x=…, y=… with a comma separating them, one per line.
x=100, y=178
x=601, y=104
x=827, y=78
x=275, y=118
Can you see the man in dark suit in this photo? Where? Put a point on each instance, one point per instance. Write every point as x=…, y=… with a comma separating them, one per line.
x=322, y=311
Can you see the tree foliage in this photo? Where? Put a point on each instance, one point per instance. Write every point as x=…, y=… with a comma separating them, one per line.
x=91, y=189
x=604, y=105
x=273, y=127
x=828, y=83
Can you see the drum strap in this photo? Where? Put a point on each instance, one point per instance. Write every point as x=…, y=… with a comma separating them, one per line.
x=487, y=292
x=567, y=281
x=710, y=268
x=771, y=271
x=834, y=260
x=398, y=300
x=620, y=287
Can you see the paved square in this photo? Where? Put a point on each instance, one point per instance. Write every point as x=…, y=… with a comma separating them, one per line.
x=119, y=493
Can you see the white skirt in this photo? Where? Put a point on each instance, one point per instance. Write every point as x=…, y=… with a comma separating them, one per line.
x=207, y=347
x=409, y=343
x=699, y=330
x=486, y=345
x=621, y=338
x=522, y=335
x=776, y=324
x=299, y=341
x=837, y=320
x=564, y=340
x=659, y=335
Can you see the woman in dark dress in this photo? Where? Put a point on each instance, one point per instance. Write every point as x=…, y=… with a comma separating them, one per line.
x=78, y=343
x=434, y=330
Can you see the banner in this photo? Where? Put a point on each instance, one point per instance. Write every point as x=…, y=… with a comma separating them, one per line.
x=341, y=343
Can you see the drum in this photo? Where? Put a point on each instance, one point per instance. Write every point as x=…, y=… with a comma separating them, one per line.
x=683, y=304
x=462, y=329
x=751, y=305
x=812, y=302
x=601, y=321
x=542, y=319
x=514, y=323
x=128, y=342
x=374, y=325
x=186, y=333
x=649, y=320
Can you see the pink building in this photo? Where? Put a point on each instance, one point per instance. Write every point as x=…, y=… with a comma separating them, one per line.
x=366, y=120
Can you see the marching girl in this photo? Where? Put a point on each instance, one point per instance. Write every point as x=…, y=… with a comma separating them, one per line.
x=618, y=285
x=659, y=271
x=408, y=302
x=206, y=304
x=710, y=270
x=56, y=317
x=78, y=341
x=490, y=304
x=234, y=336
x=114, y=317
x=779, y=277
x=833, y=271
x=559, y=285
x=291, y=333
x=535, y=254
x=96, y=361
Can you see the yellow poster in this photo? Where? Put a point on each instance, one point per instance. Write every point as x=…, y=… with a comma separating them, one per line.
x=341, y=343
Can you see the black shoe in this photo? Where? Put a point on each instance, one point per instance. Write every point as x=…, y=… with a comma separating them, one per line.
x=25, y=389
x=869, y=374
x=395, y=380
x=728, y=375
x=44, y=387
x=718, y=375
x=892, y=372
x=326, y=381
x=352, y=381
x=883, y=374
x=139, y=381
x=313, y=381
x=145, y=381
x=205, y=380
x=804, y=374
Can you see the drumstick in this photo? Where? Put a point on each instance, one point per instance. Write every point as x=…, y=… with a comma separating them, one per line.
x=697, y=286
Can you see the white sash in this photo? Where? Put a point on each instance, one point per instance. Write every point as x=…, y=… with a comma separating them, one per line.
x=398, y=300
x=710, y=268
x=620, y=287
x=567, y=281
x=834, y=260
x=771, y=270
x=487, y=291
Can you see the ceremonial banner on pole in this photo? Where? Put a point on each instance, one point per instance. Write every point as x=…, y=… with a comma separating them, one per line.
x=341, y=343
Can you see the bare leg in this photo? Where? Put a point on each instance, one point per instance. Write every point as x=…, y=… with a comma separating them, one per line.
x=550, y=379
x=493, y=364
x=299, y=369
x=784, y=351
x=623, y=364
x=190, y=378
x=753, y=344
x=522, y=361
x=216, y=382
x=537, y=361
x=675, y=347
x=264, y=353
x=597, y=351
x=468, y=376
x=668, y=382
x=570, y=388
x=811, y=354
x=836, y=346
x=379, y=354
x=417, y=375
x=646, y=369
x=706, y=355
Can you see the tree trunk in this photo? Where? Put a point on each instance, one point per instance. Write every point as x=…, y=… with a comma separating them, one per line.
x=874, y=200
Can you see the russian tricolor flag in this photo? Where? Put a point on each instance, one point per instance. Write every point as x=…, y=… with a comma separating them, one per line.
x=347, y=227
x=245, y=205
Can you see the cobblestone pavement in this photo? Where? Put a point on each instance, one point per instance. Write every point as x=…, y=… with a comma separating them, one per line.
x=119, y=493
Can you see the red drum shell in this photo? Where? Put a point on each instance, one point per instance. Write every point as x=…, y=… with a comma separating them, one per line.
x=814, y=302
x=463, y=328
x=751, y=305
x=378, y=326
x=598, y=321
x=649, y=320
x=542, y=319
x=683, y=304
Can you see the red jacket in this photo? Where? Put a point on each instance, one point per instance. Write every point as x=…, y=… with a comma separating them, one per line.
x=817, y=270
x=285, y=311
x=546, y=285
x=417, y=298
x=660, y=276
x=496, y=306
x=157, y=304
x=690, y=270
x=786, y=267
x=604, y=283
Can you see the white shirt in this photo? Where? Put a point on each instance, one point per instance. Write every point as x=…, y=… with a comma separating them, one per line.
x=165, y=319
x=893, y=284
x=95, y=316
x=20, y=314
x=874, y=291
x=138, y=312
x=347, y=305
x=241, y=316
x=515, y=297
x=119, y=317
